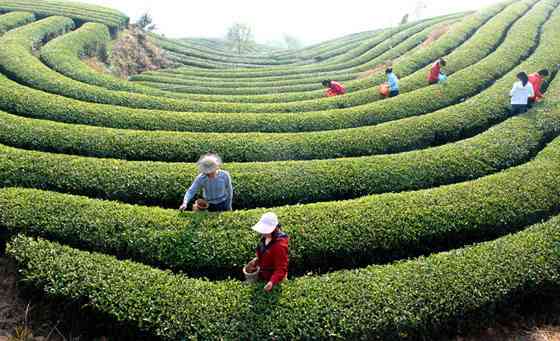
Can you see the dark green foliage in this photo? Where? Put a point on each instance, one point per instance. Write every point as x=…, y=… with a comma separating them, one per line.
x=406, y=300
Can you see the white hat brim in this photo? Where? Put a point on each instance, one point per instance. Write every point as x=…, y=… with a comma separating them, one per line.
x=263, y=228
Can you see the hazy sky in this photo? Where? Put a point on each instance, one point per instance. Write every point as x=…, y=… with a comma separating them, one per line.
x=310, y=21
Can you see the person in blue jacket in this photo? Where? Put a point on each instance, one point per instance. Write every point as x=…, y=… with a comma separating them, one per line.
x=393, y=82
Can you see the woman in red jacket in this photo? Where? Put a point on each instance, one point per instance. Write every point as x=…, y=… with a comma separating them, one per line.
x=435, y=71
x=272, y=251
x=334, y=88
x=537, y=79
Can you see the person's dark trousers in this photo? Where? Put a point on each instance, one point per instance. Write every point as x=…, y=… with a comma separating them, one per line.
x=432, y=82
x=531, y=103
x=221, y=207
x=517, y=109
x=394, y=93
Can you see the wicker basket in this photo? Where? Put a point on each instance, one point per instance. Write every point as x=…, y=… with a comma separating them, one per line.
x=200, y=205
x=251, y=277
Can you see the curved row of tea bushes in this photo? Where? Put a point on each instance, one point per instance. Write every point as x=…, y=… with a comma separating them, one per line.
x=272, y=183
x=405, y=47
x=358, y=55
x=457, y=34
x=15, y=19
x=415, y=298
x=28, y=69
x=365, y=57
x=79, y=11
x=479, y=46
x=18, y=61
x=218, y=48
x=489, y=34
x=451, y=124
x=63, y=55
x=325, y=47
x=464, y=120
x=354, y=57
x=189, y=51
x=323, y=236
x=464, y=83
x=200, y=63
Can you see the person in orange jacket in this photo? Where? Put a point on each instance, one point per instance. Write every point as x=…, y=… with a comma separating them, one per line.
x=537, y=79
x=333, y=88
x=272, y=251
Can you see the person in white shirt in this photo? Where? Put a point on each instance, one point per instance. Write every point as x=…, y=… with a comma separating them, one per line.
x=520, y=94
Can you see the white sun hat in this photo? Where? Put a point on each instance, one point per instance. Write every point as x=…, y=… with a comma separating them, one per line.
x=267, y=224
x=209, y=163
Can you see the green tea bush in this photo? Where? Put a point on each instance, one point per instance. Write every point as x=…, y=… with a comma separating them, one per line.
x=15, y=19
x=79, y=11
x=324, y=235
x=407, y=300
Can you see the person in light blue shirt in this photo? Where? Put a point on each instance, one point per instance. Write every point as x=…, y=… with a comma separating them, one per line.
x=216, y=185
x=393, y=82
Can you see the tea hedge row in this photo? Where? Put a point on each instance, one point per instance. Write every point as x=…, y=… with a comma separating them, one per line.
x=31, y=71
x=478, y=114
x=466, y=119
x=190, y=51
x=15, y=19
x=323, y=236
x=479, y=46
x=369, y=59
x=63, y=55
x=414, y=103
x=376, y=302
x=403, y=48
x=266, y=184
x=83, y=12
x=457, y=34
x=356, y=56
x=359, y=54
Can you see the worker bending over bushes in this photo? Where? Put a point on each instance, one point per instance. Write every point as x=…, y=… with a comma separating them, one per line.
x=436, y=74
x=333, y=88
x=271, y=263
x=391, y=88
x=537, y=79
x=217, y=189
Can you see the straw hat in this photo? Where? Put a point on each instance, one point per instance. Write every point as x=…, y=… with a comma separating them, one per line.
x=209, y=163
x=267, y=224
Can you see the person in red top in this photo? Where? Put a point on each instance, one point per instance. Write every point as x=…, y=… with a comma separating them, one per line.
x=272, y=251
x=537, y=79
x=435, y=71
x=333, y=88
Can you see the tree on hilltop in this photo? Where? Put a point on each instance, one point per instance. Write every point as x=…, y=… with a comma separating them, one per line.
x=146, y=22
x=240, y=37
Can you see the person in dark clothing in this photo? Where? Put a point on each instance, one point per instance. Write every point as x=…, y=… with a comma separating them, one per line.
x=272, y=252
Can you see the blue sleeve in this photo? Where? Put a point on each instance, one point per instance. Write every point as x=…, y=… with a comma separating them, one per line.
x=195, y=187
x=393, y=82
x=229, y=189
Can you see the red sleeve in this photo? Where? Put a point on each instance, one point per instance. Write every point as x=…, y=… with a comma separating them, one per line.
x=538, y=93
x=280, y=265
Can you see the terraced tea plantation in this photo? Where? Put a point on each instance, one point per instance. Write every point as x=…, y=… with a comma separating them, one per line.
x=408, y=217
